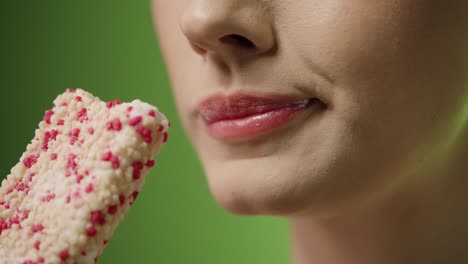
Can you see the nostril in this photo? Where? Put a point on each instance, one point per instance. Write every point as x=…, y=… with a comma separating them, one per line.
x=237, y=40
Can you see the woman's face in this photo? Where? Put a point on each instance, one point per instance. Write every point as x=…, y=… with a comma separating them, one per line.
x=391, y=74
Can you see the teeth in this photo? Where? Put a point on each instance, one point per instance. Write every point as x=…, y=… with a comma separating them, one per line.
x=302, y=103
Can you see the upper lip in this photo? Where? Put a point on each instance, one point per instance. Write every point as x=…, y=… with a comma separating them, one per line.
x=242, y=104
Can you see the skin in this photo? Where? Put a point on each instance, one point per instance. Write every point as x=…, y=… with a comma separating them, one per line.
x=379, y=174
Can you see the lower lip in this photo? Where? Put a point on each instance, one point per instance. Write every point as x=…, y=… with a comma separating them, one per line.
x=255, y=125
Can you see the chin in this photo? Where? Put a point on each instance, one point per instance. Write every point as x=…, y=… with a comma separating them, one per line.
x=242, y=189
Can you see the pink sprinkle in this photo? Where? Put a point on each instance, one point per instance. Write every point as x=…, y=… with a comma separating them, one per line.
x=91, y=231
x=121, y=199
x=107, y=156
x=64, y=255
x=49, y=136
x=89, y=188
x=130, y=108
x=91, y=130
x=31, y=175
x=165, y=137
x=113, y=103
x=28, y=262
x=60, y=122
x=48, y=114
x=78, y=98
x=37, y=244
x=97, y=217
x=115, y=162
x=134, y=195
x=53, y=156
x=114, y=125
x=150, y=163
x=37, y=228
x=69, y=90
x=112, y=209
x=145, y=133
x=48, y=197
x=68, y=198
x=151, y=113
x=79, y=178
x=135, y=120
x=74, y=133
x=41, y=260
x=64, y=104
x=30, y=161
x=71, y=161
x=137, y=166
x=82, y=115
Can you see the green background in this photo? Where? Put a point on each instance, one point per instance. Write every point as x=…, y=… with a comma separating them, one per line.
x=110, y=49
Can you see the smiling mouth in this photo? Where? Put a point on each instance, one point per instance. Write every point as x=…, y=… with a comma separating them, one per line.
x=241, y=117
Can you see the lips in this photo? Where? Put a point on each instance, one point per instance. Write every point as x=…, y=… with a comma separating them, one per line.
x=244, y=116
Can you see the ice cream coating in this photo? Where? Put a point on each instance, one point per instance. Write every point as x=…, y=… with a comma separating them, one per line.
x=78, y=177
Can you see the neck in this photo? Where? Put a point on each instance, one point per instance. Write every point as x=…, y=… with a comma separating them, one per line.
x=418, y=225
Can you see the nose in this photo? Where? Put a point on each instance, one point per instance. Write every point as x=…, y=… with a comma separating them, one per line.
x=230, y=29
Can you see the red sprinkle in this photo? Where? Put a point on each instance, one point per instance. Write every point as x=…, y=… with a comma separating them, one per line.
x=161, y=128
x=134, y=195
x=49, y=136
x=137, y=166
x=69, y=90
x=121, y=199
x=114, y=125
x=113, y=103
x=48, y=114
x=79, y=178
x=37, y=244
x=150, y=163
x=53, y=156
x=28, y=262
x=112, y=209
x=89, y=188
x=83, y=253
x=169, y=123
x=30, y=177
x=78, y=98
x=71, y=161
x=64, y=255
x=151, y=113
x=130, y=108
x=82, y=115
x=37, y=228
x=60, y=122
x=91, y=231
x=115, y=162
x=135, y=120
x=165, y=137
x=107, y=156
x=41, y=260
x=31, y=160
x=97, y=217
x=74, y=133
x=145, y=133
x=91, y=130
x=48, y=197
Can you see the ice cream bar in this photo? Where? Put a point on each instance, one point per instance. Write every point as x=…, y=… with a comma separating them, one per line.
x=78, y=177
